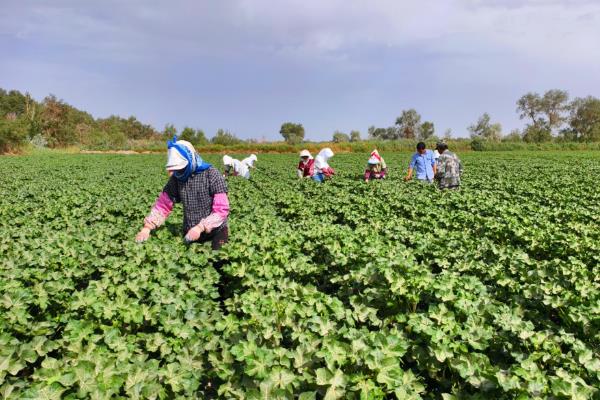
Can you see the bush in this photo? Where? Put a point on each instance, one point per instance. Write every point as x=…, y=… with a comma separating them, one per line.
x=477, y=144
x=13, y=134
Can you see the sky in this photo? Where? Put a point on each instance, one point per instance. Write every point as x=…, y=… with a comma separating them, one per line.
x=249, y=65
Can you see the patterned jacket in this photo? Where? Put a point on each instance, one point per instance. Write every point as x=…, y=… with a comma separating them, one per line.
x=204, y=200
x=449, y=170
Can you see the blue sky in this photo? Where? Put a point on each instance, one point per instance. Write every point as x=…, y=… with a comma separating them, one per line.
x=249, y=65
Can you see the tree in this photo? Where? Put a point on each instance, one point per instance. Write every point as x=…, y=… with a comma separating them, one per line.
x=339, y=137
x=390, y=133
x=292, y=133
x=545, y=112
x=554, y=106
x=195, y=137
x=513, y=136
x=537, y=134
x=530, y=106
x=584, y=120
x=12, y=102
x=408, y=124
x=225, y=138
x=426, y=130
x=448, y=134
x=54, y=118
x=13, y=132
x=484, y=129
x=355, y=136
x=169, y=130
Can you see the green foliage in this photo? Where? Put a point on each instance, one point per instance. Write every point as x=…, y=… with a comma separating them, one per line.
x=483, y=129
x=292, y=133
x=489, y=292
x=537, y=134
x=169, y=130
x=355, y=136
x=340, y=137
x=426, y=130
x=13, y=133
x=390, y=133
x=225, y=138
x=585, y=120
x=195, y=137
x=58, y=124
x=409, y=124
x=513, y=136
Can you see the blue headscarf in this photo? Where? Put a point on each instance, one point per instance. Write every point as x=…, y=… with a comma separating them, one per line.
x=195, y=163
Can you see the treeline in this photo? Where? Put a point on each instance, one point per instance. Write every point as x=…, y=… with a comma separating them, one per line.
x=54, y=123
x=550, y=117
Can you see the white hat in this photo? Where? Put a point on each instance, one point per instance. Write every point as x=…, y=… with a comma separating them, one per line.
x=175, y=161
x=373, y=160
x=305, y=153
x=227, y=160
x=326, y=153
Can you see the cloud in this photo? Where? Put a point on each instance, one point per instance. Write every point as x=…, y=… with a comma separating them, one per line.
x=239, y=55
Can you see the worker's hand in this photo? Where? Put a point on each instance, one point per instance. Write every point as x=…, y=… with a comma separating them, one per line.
x=194, y=233
x=366, y=181
x=143, y=235
x=407, y=178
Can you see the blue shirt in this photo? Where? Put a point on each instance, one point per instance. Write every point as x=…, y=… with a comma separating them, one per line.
x=423, y=165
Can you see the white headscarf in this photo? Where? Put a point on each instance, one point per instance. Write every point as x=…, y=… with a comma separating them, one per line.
x=322, y=158
x=239, y=167
x=249, y=161
x=175, y=161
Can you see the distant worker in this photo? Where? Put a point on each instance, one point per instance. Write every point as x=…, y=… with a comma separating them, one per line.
x=235, y=167
x=249, y=161
x=201, y=190
x=376, y=167
x=322, y=169
x=306, y=166
x=449, y=168
x=424, y=164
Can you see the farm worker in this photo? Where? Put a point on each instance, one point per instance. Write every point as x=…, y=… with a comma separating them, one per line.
x=423, y=162
x=249, y=161
x=235, y=167
x=306, y=166
x=201, y=190
x=449, y=168
x=376, y=167
x=322, y=169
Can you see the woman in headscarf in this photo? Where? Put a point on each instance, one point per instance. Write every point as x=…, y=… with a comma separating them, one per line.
x=235, y=167
x=201, y=190
x=376, y=167
x=249, y=161
x=322, y=169
x=306, y=167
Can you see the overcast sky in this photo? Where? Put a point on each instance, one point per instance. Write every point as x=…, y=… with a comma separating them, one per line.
x=249, y=65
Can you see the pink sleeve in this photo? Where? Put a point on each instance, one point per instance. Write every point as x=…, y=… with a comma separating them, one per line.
x=328, y=171
x=164, y=204
x=220, y=211
x=221, y=205
x=367, y=174
x=160, y=211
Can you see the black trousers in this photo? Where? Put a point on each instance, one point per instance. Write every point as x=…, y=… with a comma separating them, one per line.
x=217, y=237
